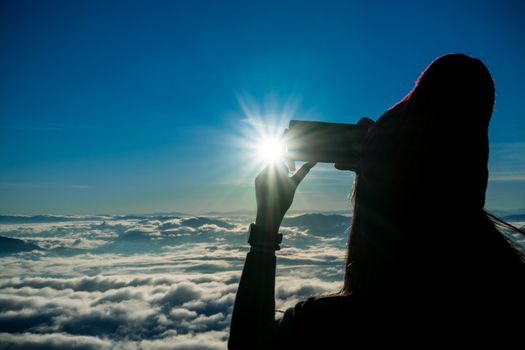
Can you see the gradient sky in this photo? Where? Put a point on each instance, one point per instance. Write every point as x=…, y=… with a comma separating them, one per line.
x=141, y=106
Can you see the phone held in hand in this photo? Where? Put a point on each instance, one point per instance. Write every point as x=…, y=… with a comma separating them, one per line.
x=323, y=142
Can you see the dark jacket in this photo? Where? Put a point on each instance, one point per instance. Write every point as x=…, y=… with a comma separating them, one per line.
x=488, y=315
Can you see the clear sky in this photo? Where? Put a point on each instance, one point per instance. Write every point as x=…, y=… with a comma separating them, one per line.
x=142, y=106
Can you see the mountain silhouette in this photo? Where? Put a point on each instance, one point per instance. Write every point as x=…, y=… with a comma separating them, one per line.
x=320, y=224
x=13, y=245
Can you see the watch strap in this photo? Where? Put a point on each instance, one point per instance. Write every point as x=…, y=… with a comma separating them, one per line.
x=264, y=240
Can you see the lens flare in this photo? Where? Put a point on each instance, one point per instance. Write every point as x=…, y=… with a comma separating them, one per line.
x=271, y=150
x=257, y=136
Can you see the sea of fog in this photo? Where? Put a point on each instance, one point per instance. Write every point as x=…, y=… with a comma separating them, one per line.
x=149, y=282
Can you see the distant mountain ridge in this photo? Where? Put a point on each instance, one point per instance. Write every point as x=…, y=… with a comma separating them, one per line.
x=37, y=219
x=50, y=218
x=517, y=217
x=327, y=217
x=13, y=245
x=319, y=223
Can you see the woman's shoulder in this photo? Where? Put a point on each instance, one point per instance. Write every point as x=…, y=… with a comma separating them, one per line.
x=325, y=318
x=321, y=310
x=330, y=301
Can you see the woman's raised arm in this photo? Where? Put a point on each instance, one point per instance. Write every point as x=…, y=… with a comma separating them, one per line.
x=253, y=318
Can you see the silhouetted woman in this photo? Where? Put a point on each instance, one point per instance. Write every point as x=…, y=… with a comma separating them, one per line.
x=425, y=260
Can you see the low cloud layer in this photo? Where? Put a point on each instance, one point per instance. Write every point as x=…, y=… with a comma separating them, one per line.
x=148, y=282
x=161, y=282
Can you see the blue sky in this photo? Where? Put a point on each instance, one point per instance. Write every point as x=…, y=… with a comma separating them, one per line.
x=139, y=106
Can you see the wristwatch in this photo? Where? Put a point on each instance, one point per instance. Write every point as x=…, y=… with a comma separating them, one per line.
x=264, y=240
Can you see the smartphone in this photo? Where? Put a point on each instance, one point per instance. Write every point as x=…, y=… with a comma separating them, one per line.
x=323, y=142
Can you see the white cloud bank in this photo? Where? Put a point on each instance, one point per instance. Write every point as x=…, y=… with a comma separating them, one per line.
x=147, y=282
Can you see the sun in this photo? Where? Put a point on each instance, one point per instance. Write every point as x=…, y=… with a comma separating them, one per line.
x=271, y=150
x=259, y=135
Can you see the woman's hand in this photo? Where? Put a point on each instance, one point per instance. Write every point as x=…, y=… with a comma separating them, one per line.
x=274, y=191
x=353, y=164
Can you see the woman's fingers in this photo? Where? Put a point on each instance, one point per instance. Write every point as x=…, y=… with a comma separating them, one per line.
x=263, y=174
x=278, y=173
x=301, y=173
x=352, y=166
x=291, y=163
x=273, y=174
x=353, y=162
x=282, y=169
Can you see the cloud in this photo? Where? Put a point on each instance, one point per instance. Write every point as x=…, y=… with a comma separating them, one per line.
x=139, y=234
x=319, y=224
x=149, y=282
x=510, y=176
x=30, y=341
x=132, y=312
x=507, y=162
x=214, y=340
x=115, y=308
x=194, y=222
x=142, y=282
x=179, y=295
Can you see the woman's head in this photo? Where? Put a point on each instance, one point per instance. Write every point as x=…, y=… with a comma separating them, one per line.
x=433, y=145
x=455, y=84
x=425, y=158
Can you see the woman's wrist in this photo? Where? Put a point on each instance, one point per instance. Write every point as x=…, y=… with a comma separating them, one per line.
x=266, y=223
x=264, y=241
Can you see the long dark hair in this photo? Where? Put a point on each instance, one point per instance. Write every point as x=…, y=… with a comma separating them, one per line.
x=511, y=233
x=420, y=194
